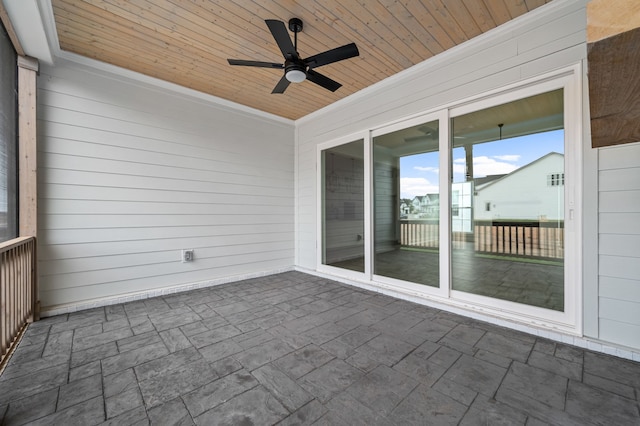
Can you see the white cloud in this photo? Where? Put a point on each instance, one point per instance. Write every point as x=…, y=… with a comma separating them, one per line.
x=511, y=158
x=411, y=187
x=484, y=166
x=426, y=169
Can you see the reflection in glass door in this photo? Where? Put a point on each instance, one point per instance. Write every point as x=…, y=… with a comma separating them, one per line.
x=407, y=204
x=343, y=206
x=507, y=201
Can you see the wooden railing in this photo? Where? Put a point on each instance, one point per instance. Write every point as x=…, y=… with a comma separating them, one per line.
x=531, y=239
x=521, y=239
x=419, y=234
x=17, y=290
x=424, y=234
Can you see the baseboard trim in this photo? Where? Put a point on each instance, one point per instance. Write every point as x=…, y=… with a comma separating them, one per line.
x=50, y=311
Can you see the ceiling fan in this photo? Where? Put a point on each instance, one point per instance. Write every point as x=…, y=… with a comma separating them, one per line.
x=430, y=133
x=296, y=69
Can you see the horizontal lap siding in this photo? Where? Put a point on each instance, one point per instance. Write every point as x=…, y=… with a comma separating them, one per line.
x=619, y=244
x=129, y=175
x=502, y=57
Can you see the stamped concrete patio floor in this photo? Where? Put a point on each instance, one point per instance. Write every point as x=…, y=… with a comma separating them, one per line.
x=297, y=349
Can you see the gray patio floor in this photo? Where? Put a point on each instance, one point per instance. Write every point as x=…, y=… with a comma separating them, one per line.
x=532, y=281
x=297, y=349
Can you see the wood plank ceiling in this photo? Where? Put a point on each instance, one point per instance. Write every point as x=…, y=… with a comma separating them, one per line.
x=188, y=42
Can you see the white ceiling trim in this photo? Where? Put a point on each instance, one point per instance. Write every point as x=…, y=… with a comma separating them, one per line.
x=35, y=26
x=131, y=77
x=34, y=23
x=27, y=21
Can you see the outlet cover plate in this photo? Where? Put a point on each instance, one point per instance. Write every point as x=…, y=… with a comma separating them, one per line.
x=187, y=256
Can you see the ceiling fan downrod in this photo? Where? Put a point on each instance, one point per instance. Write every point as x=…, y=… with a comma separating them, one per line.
x=295, y=26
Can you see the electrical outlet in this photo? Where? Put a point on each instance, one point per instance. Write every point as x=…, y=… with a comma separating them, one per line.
x=187, y=256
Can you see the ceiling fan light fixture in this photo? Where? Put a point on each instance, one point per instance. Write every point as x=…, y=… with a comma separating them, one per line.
x=296, y=76
x=295, y=73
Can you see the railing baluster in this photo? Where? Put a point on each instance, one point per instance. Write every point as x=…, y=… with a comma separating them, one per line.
x=17, y=290
x=520, y=239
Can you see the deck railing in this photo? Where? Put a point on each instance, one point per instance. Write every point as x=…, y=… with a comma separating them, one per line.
x=419, y=234
x=530, y=239
x=427, y=235
x=521, y=239
x=17, y=290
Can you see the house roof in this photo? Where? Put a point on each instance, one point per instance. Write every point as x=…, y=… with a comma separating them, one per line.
x=481, y=181
x=188, y=43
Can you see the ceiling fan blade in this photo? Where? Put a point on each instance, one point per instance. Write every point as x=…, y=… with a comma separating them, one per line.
x=334, y=55
x=322, y=80
x=280, y=34
x=259, y=64
x=281, y=86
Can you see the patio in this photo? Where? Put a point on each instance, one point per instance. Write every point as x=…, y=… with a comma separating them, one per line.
x=532, y=281
x=298, y=349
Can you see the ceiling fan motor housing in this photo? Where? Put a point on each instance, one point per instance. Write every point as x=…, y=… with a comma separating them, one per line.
x=295, y=25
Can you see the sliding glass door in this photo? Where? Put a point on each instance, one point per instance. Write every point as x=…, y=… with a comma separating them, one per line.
x=473, y=205
x=406, y=200
x=507, y=201
x=343, y=206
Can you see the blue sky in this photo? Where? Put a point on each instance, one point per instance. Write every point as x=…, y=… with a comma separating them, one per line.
x=419, y=173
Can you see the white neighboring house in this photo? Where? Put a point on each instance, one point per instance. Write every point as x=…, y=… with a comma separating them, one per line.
x=426, y=205
x=405, y=208
x=420, y=203
x=532, y=192
x=433, y=207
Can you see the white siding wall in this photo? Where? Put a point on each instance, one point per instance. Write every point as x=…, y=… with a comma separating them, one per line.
x=130, y=174
x=386, y=210
x=524, y=194
x=344, y=204
x=619, y=244
x=555, y=38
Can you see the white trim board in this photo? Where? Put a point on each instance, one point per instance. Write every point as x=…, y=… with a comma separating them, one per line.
x=44, y=45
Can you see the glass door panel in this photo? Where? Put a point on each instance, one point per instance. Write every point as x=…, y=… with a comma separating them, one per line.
x=407, y=204
x=343, y=206
x=507, y=201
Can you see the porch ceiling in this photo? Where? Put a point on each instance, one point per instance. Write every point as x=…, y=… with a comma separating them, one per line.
x=188, y=42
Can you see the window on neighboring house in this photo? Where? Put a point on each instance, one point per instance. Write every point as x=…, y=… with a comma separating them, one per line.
x=555, y=179
x=8, y=139
x=487, y=207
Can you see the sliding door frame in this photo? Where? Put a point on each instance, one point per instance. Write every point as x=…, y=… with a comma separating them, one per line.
x=570, y=320
x=333, y=270
x=442, y=291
